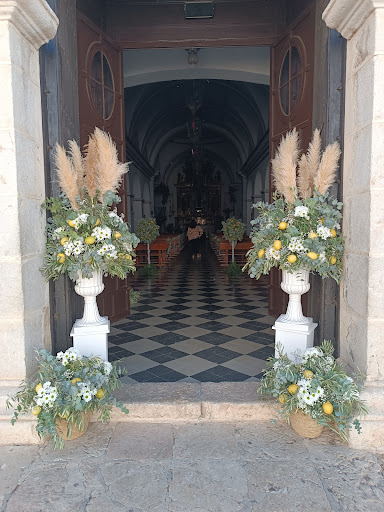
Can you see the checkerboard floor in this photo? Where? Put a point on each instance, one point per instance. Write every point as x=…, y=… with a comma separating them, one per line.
x=194, y=324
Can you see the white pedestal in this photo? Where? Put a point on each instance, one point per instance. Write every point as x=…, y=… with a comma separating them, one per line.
x=91, y=340
x=293, y=337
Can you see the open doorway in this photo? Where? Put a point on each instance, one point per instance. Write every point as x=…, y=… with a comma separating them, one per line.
x=199, y=120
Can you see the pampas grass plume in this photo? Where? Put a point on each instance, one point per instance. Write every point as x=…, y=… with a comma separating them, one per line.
x=303, y=179
x=91, y=162
x=327, y=172
x=313, y=159
x=284, y=166
x=77, y=164
x=67, y=175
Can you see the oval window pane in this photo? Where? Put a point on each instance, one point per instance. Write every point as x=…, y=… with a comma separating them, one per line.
x=284, y=75
x=295, y=91
x=108, y=81
x=284, y=98
x=291, y=80
x=96, y=72
x=97, y=96
x=109, y=98
x=295, y=62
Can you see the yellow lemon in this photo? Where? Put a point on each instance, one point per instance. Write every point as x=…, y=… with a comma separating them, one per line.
x=100, y=394
x=293, y=389
x=322, y=220
x=97, y=222
x=76, y=379
x=261, y=253
x=71, y=223
x=39, y=386
x=64, y=240
x=61, y=257
x=36, y=410
x=308, y=374
x=291, y=258
x=333, y=233
x=282, y=226
x=333, y=260
x=312, y=235
x=116, y=234
x=128, y=257
x=90, y=240
x=328, y=408
x=64, y=415
x=283, y=398
x=277, y=245
x=312, y=255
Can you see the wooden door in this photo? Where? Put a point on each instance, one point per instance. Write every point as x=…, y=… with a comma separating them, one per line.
x=291, y=104
x=101, y=104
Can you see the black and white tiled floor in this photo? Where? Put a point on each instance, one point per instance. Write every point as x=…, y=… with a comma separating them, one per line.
x=194, y=324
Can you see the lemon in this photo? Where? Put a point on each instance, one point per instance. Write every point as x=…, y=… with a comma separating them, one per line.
x=322, y=220
x=64, y=240
x=61, y=257
x=97, y=222
x=293, y=389
x=64, y=415
x=333, y=233
x=71, y=223
x=116, y=234
x=128, y=257
x=39, y=386
x=333, y=260
x=90, y=240
x=312, y=235
x=328, y=408
x=100, y=394
x=277, y=245
x=261, y=253
x=282, y=226
x=283, y=398
x=308, y=374
x=76, y=379
x=291, y=258
x=36, y=410
x=312, y=255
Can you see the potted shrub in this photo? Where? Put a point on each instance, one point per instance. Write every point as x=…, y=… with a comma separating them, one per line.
x=148, y=231
x=233, y=230
x=68, y=387
x=314, y=391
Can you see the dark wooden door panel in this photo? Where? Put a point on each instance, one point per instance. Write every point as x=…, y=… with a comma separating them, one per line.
x=107, y=115
x=291, y=105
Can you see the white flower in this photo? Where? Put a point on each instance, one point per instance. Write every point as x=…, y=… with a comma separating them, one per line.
x=59, y=355
x=47, y=384
x=81, y=219
x=336, y=225
x=322, y=256
x=58, y=233
x=272, y=253
x=301, y=211
x=108, y=250
x=115, y=217
x=323, y=232
x=304, y=383
x=296, y=245
x=101, y=233
x=107, y=368
x=312, y=352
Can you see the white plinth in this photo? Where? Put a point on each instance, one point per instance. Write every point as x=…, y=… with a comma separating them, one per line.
x=292, y=336
x=91, y=340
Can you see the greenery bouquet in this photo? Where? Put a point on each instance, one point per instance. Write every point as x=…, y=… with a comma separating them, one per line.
x=316, y=384
x=233, y=231
x=67, y=386
x=85, y=233
x=148, y=231
x=301, y=228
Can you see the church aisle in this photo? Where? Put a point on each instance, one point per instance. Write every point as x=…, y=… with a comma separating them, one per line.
x=194, y=324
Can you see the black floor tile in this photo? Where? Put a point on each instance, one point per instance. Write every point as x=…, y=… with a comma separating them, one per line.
x=168, y=338
x=213, y=326
x=215, y=338
x=211, y=315
x=255, y=326
x=131, y=326
x=217, y=354
x=249, y=315
x=175, y=316
x=220, y=374
x=260, y=337
x=164, y=354
x=263, y=353
x=120, y=339
x=172, y=326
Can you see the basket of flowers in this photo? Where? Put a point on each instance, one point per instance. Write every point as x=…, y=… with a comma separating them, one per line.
x=314, y=391
x=67, y=388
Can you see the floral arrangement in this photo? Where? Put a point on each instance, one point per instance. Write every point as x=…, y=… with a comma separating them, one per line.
x=66, y=387
x=85, y=233
x=148, y=231
x=317, y=385
x=301, y=228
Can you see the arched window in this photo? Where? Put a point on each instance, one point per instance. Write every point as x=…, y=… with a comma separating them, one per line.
x=102, y=85
x=291, y=80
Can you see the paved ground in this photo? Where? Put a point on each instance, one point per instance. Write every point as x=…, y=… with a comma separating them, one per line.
x=191, y=467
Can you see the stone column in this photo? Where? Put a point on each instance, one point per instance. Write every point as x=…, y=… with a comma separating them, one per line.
x=25, y=25
x=362, y=288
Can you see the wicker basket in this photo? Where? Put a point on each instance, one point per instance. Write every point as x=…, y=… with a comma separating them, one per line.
x=304, y=425
x=61, y=428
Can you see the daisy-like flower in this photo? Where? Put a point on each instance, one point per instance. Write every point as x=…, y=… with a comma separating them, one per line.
x=58, y=233
x=101, y=233
x=271, y=252
x=115, y=217
x=323, y=232
x=107, y=368
x=296, y=245
x=81, y=219
x=301, y=211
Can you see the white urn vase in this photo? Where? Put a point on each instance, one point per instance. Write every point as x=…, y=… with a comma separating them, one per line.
x=294, y=332
x=90, y=333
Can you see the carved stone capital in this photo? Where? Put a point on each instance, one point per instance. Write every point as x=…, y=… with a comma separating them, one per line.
x=347, y=16
x=33, y=19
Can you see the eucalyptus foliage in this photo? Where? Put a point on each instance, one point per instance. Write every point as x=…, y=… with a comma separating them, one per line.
x=291, y=236
x=317, y=379
x=91, y=238
x=66, y=387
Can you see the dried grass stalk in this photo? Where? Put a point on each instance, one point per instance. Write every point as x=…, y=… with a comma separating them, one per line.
x=284, y=166
x=313, y=159
x=78, y=165
x=91, y=162
x=109, y=171
x=326, y=175
x=303, y=179
x=67, y=175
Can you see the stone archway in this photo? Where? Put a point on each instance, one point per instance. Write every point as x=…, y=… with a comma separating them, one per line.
x=362, y=289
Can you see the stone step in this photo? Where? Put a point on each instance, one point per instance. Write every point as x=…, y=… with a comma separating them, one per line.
x=163, y=403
